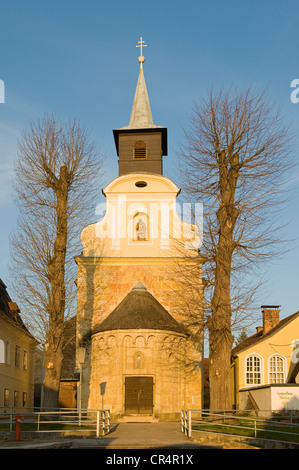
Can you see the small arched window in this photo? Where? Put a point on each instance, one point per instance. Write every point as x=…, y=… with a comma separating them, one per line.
x=140, y=150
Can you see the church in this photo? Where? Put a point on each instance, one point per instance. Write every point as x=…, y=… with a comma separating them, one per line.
x=143, y=353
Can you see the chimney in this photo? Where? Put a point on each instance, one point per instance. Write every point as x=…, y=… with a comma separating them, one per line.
x=270, y=317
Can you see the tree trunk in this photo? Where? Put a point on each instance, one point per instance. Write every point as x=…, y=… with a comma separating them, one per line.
x=220, y=340
x=52, y=365
x=220, y=337
x=56, y=273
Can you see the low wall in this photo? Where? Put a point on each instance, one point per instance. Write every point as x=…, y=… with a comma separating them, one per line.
x=270, y=397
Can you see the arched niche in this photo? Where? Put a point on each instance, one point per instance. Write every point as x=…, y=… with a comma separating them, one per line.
x=138, y=360
x=140, y=226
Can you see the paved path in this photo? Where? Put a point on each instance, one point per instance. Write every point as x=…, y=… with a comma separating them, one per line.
x=161, y=435
x=141, y=436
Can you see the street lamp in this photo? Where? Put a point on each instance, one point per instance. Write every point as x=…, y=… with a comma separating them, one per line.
x=81, y=355
x=81, y=359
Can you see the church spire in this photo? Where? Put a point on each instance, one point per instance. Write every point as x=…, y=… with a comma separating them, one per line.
x=141, y=144
x=141, y=115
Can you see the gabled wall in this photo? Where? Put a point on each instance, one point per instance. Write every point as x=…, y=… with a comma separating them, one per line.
x=283, y=341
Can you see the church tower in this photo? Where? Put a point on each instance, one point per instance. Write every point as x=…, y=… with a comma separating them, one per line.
x=134, y=304
x=141, y=145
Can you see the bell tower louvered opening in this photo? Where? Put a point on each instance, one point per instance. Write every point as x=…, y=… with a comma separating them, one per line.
x=139, y=150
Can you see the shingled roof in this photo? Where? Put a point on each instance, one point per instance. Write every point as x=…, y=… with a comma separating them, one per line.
x=140, y=310
x=260, y=336
x=9, y=310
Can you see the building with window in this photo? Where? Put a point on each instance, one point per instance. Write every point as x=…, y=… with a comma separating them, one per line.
x=133, y=303
x=265, y=366
x=17, y=347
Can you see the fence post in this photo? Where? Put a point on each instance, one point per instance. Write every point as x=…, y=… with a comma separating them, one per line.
x=185, y=423
x=108, y=420
x=103, y=421
x=255, y=428
x=189, y=423
x=98, y=423
x=10, y=419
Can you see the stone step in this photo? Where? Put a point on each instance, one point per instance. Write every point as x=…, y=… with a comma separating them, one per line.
x=138, y=419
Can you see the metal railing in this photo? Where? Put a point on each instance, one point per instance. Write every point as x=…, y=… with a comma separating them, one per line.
x=239, y=424
x=56, y=420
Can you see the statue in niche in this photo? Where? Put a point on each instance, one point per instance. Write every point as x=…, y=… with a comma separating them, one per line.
x=140, y=230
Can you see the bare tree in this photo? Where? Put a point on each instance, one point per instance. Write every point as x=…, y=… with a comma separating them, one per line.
x=235, y=160
x=55, y=176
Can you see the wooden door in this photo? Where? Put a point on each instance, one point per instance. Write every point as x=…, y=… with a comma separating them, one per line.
x=139, y=395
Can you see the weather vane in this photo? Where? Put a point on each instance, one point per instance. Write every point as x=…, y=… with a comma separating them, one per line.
x=141, y=44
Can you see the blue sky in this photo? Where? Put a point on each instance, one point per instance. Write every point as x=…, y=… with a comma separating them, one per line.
x=78, y=59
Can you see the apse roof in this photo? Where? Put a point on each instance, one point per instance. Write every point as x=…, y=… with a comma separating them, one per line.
x=140, y=310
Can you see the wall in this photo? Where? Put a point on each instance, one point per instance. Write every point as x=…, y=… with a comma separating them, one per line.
x=169, y=236
x=163, y=357
x=282, y=342
x=153, y=162
x=285, y=397
x=271, y=398
x=102, y=285
x=12, y=377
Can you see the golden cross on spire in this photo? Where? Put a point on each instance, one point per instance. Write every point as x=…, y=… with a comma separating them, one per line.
x=141, y=44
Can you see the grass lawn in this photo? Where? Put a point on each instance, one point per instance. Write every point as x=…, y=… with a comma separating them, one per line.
x=263, y=431
x=44, y=426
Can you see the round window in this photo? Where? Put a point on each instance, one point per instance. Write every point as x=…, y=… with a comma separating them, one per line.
x=141, y=184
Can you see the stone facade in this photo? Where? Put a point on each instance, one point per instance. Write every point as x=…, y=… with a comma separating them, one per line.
x=145, y=353
x=168, y=357
x=102, y=284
